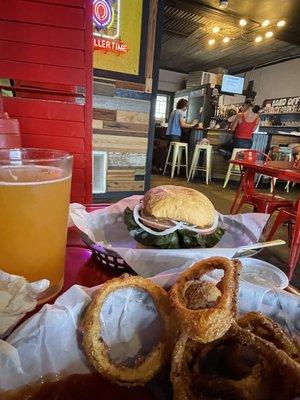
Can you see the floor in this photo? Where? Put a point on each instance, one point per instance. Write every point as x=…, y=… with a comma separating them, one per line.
x=222, y=200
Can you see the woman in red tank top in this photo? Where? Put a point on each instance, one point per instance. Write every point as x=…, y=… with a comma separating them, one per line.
x=243, y=126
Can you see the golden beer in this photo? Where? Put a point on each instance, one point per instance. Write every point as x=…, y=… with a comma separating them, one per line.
x=34, y=204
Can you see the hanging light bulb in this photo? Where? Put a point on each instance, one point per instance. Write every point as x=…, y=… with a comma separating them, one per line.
x=258, y=39
x=281, y=23
x=243, y=22
x=226, y=39
x=269, y=34
x=216, y=29
x=265, y=23
x=211, y=42
x=223, y=4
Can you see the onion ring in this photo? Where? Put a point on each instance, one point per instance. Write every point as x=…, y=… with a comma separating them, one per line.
x=239, y=366
x=145, y=367
x=267, y=329
x=207, y=323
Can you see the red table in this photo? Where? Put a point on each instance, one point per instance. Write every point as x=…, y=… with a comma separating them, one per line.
x=283, y=170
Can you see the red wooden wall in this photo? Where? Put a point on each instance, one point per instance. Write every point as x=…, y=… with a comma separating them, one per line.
x=50, y=42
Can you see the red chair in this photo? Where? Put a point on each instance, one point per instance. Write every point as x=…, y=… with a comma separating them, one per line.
x=289, y=215
x=263, y=203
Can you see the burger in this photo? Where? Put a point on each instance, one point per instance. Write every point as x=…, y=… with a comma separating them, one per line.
x=172, y=217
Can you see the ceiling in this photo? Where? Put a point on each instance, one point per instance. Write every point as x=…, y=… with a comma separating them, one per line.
x=188, y=27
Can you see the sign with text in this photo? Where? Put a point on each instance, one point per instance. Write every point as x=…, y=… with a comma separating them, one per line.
x=117, y=35
x=282, y=105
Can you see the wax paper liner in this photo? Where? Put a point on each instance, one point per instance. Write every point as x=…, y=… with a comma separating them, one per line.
x=50, y=341
x=106, y=227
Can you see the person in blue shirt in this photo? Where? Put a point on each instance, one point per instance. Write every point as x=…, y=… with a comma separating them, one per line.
x=177, y=121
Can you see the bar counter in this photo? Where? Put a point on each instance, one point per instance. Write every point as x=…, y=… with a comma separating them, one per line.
x=262, y=141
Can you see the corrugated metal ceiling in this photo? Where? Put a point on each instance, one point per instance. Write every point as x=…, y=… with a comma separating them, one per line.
x=187, y=28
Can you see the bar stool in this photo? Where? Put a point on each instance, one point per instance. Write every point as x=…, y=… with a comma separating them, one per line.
x=177, y=147
x=207, y=149
x=232, y=166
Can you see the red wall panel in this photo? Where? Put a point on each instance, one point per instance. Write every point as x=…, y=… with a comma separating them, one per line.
x=50, y=42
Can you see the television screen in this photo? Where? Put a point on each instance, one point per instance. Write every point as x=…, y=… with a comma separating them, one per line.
x=232, y=84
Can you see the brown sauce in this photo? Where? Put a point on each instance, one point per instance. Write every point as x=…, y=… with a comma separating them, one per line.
x=78, y=387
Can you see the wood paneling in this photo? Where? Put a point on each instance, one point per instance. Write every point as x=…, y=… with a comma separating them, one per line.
x=46, y=45
x=42, y=73
x=119, y=103
x=130, y=85
x=73, y=145
x=122, y=159
x=132, y=94
x=120, y=143
x=41, y=54
x=133, y=127
x=120, y=175
x=125, y=186
x=43, y=13
x=131, y=116
x=97, y=124
x=106, y=115
x=114, y=132
x=51, y=127
x=151, y=40
x=42, y=35
x=103, y=89
x=46, y=109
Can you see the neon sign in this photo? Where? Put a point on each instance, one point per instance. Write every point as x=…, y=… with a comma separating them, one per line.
x=106, y=21
x=103, y=15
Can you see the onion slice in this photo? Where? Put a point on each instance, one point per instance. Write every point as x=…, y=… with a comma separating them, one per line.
x=177, y=225
x=136, y=216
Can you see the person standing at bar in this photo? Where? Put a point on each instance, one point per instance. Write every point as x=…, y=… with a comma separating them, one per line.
x=244, y=126
x=177, y=121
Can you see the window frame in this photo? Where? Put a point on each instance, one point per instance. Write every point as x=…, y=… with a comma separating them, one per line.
x=170, y=101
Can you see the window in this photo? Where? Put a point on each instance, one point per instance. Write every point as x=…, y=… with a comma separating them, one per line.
x=161, y=108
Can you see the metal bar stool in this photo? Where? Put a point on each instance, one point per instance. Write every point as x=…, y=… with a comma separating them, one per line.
x=178, y=148
x=207, y=149
x=232, y=166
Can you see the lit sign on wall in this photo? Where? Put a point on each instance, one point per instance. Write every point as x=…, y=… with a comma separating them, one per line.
x=117, y=33
x=106, y=20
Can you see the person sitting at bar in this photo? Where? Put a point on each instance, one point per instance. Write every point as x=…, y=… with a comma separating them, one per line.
x=244, y=126
x=177, y=121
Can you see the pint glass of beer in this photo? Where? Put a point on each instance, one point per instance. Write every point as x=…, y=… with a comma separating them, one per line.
x=34, y=203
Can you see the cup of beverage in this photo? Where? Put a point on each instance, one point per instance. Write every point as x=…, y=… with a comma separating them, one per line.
x=34, y=204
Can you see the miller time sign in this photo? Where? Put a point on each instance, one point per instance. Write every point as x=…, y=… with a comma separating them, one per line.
x=106, y=23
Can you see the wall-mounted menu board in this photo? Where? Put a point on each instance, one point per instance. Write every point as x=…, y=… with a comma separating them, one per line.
x=118, y=36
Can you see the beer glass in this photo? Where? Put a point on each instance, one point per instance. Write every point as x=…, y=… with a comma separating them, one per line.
x=34, y=203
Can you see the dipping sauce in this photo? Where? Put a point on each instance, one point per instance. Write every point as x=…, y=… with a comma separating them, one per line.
x=78, y=387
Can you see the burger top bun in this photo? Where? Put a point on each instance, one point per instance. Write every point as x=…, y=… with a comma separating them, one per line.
x=180, y=204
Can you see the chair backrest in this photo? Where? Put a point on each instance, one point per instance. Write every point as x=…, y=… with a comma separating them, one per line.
x=252, y=156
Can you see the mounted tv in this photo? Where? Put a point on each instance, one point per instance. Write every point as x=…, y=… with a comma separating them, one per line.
x=232, y=84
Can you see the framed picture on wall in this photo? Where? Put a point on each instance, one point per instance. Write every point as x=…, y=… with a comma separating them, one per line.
x=120, y=39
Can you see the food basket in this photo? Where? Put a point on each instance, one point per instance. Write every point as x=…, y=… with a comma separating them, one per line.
x=107, y=258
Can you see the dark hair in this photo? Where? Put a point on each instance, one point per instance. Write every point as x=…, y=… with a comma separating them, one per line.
x=181, y=104
x=256, y=109
x=248, y=102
